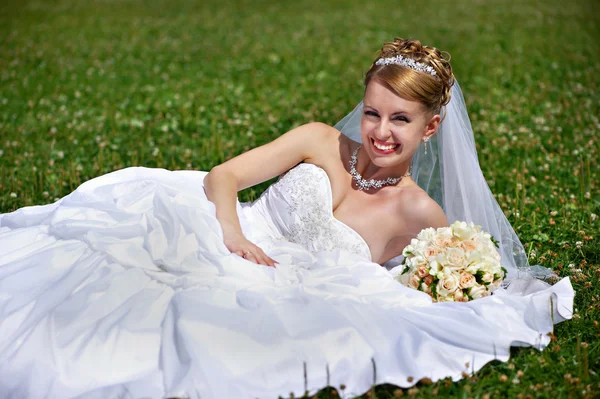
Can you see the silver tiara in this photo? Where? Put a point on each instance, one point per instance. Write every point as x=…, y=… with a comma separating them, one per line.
x=407, y=62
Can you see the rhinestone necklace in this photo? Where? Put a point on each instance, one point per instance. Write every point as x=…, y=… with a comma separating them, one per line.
x=364, y=184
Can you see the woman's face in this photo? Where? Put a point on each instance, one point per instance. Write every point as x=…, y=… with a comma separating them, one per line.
x=391, y=127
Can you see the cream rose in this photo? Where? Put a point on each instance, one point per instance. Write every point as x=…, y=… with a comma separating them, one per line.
x=455, y=258
x=422, y=271
x=448, y=284
x=443, y=238
x=414, y=281
x=431, y=252
x=478, y=291
x=467, y=280
x=460, y=297
x=469, y=245
x=487, y=277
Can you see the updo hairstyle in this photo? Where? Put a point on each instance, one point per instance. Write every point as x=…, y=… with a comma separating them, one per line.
x=432, y=91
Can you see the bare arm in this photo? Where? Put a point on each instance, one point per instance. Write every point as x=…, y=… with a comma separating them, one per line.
x=256, y=166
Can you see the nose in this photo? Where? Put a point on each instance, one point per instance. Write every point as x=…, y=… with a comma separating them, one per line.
x=383, y=132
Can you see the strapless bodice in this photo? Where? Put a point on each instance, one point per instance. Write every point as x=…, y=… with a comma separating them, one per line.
x=299, y=208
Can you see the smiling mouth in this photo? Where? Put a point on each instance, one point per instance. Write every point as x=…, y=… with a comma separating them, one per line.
x=384, y=148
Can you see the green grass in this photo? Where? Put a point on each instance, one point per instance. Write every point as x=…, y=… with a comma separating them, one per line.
x=87, y=87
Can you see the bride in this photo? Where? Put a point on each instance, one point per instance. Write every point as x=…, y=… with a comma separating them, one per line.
x=146, y=283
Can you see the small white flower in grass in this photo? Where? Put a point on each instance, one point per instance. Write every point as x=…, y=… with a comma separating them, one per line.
x=155, y=151
x=45, y=194
x=60, y=154
x=532, y=254
x=136, y=123
x=579, y=244
x=593, y=216
x=13, y=195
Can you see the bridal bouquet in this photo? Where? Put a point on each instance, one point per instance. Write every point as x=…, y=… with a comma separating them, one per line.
x=456, y=263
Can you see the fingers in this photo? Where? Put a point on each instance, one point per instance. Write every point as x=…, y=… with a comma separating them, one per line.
x=262, y=258
x=257, y=256
x=250, y=252
x=251, y=257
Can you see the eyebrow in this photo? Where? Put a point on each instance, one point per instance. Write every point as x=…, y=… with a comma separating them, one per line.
x=393, y=114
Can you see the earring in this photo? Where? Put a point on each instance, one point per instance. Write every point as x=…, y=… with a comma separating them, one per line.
x=425, y=144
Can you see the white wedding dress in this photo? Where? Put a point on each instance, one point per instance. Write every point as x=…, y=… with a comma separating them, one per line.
x=124, y=289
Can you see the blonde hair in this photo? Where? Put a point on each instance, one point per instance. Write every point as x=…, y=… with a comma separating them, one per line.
x=431, y=91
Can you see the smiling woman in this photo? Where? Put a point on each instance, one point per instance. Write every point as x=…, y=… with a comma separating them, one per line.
x=150, y=283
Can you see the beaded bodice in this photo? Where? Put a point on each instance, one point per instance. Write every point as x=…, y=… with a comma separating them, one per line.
x=299, y=209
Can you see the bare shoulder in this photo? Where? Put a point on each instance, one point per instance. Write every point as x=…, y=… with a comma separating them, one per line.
x=322, y=140
x=317, y=129
x=420, y=209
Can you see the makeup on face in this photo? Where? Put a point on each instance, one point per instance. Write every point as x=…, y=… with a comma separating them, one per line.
x=389, y=122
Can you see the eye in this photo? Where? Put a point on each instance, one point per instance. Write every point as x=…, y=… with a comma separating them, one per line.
x=401, y=118
x=371, y=113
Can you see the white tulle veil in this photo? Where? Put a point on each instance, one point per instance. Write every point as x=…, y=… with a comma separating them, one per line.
x=451, y=175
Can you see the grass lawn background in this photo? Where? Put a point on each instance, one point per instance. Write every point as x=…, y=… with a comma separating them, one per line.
x=87, y=87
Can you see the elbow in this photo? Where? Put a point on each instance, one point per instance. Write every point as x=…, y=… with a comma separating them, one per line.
x=219, y=175
x=212, y=176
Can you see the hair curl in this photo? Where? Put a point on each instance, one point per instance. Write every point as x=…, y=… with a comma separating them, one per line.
x=433, y=91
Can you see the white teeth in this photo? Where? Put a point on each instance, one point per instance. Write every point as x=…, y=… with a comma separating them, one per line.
x=384, y=147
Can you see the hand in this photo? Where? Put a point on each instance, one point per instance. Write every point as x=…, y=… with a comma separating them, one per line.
x=238, y=244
